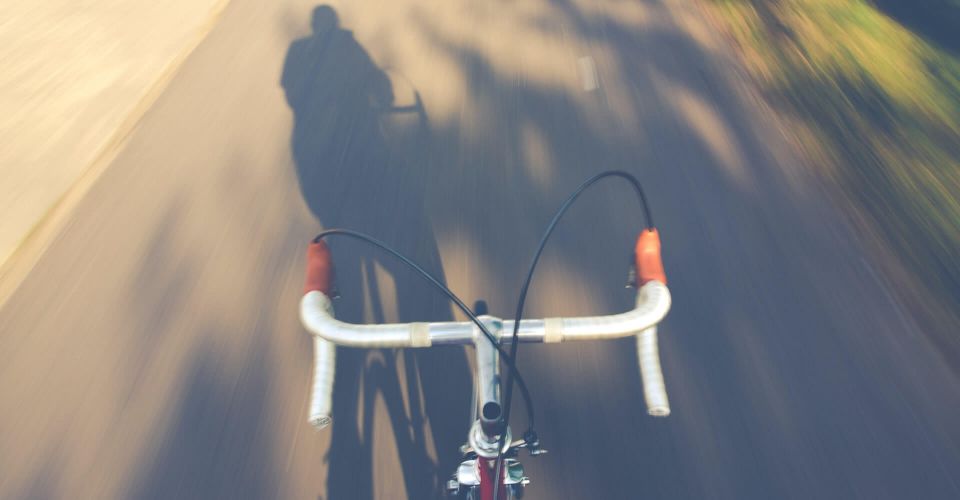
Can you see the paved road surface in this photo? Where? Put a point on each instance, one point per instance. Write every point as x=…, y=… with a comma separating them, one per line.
x=155, y=350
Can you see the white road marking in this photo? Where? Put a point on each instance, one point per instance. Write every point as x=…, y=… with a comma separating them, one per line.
x=588, y=74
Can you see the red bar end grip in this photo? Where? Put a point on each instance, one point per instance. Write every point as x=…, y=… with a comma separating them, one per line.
x=647, y=253
x=319, y=268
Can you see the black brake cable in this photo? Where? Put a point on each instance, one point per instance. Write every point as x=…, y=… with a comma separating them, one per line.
x=512, y=358
x=452, y=296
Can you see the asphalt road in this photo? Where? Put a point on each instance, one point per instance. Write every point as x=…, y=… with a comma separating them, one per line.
x=155, y=350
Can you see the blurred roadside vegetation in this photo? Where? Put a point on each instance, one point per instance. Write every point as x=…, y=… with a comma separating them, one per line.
x=872, y=91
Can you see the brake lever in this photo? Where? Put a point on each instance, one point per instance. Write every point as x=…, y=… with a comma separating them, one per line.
x=532, y=443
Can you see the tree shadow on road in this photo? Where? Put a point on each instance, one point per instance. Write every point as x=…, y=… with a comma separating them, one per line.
x=219, y=444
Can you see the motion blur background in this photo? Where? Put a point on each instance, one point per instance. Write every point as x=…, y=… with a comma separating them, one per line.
x=164, y=164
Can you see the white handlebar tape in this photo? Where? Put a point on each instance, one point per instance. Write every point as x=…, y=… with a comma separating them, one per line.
x=654, y=390
x=321, y=399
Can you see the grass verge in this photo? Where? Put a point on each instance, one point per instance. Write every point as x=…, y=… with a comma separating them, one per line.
x=873, y=88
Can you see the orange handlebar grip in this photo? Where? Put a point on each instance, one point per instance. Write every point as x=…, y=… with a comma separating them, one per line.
x=319, y=268
x=647, y=253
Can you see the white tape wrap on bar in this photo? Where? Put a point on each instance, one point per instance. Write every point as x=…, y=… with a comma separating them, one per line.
x=316, y=315
x=654, y=390
x=552, y=330
x=653, y=302
x=420, y=334
x=321, y=398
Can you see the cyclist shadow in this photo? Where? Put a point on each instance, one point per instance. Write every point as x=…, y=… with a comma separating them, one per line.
x=362, y=162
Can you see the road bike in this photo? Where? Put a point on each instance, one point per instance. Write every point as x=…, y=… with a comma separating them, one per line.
x=490, y=451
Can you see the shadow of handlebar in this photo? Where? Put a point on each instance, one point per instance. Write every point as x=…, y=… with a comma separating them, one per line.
x=416, y=107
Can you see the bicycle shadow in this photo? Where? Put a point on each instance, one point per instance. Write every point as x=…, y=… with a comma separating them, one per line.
x=353, y=143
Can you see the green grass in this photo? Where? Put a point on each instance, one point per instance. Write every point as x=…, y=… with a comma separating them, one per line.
x=877, y=105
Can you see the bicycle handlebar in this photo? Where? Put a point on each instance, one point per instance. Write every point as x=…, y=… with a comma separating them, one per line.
x=316, y=313
x=652, y=305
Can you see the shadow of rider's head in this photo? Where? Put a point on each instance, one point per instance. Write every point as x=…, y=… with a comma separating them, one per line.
x=324, y=19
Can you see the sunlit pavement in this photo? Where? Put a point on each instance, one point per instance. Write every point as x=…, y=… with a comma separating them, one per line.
x=75, y=80
x=155, y=350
